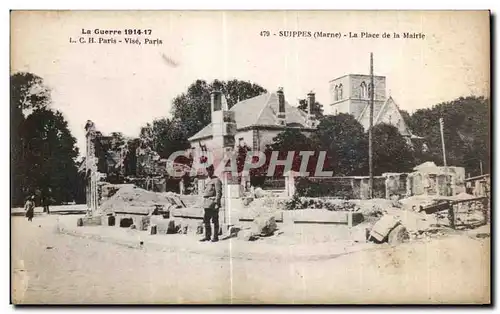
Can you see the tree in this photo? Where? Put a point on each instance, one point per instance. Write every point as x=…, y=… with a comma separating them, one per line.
x=52, y=155
x=193, y=107
x=466, y=132
x=236, y=90
x=391, y=152
x=290, y=140
x=27, y=92
x=117, y=140
x=317, y=108
x=43, y=151
x=191, y=113
x=165, y=136
x=344, y=140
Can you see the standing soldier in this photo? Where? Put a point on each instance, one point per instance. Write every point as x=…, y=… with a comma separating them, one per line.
x=211, y=203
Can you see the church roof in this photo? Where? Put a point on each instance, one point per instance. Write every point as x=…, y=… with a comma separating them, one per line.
x=259, y=111
x=380, y=112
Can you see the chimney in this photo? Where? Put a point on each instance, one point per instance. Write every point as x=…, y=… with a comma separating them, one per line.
x=216, y=100
x=311, y=101
x=281, y=107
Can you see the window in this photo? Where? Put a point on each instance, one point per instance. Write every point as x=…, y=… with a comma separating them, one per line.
x=364, y=91
x=340, y=92
x=336, y=93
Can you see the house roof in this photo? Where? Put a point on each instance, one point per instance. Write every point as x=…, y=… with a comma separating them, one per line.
x=259, y=111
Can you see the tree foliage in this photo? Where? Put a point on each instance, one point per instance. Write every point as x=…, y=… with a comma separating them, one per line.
x=291, y=140
x=466, y=132
x=343, y=139
x=317, y=108
x=391, y=151
x=193, y=107
x=466, y=136
x=191, y=113
x=164, y=136
x=43, y=151
x=345, y=144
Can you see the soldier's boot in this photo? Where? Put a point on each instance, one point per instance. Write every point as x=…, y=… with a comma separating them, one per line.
x=208, y=233
x=216, y=228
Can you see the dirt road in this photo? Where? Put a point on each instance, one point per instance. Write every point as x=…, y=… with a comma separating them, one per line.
x=53, y=268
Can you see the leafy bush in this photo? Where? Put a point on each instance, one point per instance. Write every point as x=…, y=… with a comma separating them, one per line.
x=309, y=188
x=330, y=204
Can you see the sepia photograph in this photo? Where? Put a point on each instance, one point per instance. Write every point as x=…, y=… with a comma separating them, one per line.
x=250, y=157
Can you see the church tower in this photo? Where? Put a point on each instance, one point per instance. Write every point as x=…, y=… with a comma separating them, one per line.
x=351, y=94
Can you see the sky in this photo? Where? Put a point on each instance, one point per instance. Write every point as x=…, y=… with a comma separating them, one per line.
x=121, y=87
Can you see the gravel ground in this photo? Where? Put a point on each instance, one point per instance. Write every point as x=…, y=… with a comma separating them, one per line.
x=54, y=268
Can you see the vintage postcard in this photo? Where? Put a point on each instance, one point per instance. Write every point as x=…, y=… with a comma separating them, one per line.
x=250, y=157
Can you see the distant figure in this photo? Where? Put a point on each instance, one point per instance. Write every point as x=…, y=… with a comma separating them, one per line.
x=212, y=203
x=29, y=207
x=46, y=203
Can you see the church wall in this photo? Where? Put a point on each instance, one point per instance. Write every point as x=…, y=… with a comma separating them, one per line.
x=356, y=106
x=391, y=115
x=339, y=107
x=346, y=91
x=355, y=83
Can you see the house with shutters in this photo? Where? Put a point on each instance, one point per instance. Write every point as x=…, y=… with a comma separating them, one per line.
x=254, y=122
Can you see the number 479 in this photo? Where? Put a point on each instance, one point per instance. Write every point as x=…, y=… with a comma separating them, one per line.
x=265, y=33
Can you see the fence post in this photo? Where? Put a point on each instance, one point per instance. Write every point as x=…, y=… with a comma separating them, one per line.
x=290, y=183
x=451, y=215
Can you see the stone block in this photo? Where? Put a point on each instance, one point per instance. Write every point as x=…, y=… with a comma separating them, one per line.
x=188, y=212
x=398, y=235
x=200, y=228
x=89, y=221
x=321, y=216
x=152, y=230
x=173, y=226
x=382, y=227
x=264, y=225
x=247, y=235
x=126, y=222
x=249, y=215
x=141, y=222
x=233, y=231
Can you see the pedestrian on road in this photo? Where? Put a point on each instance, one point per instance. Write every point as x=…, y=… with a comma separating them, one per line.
x=46, y=203
x=29, y=207
x=212, y=203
